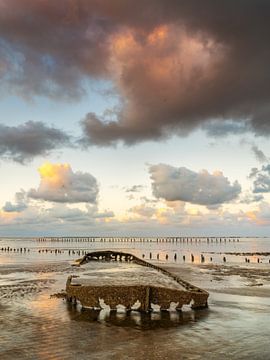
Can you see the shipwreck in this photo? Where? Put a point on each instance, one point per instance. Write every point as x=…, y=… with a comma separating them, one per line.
x=115, y=279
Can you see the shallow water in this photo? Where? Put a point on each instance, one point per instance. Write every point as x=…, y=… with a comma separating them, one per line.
x=148, y=248
x=35, y=326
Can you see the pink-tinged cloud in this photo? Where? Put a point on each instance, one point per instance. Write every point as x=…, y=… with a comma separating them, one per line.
x=260, y=215
x=175, y=64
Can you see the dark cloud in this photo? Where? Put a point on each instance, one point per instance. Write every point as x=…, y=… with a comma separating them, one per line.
x=173, y=184
x=23, y=142
x=61, y=185
x=47, y=47
x=176, y=64
x=261, y=183
x=259, y=154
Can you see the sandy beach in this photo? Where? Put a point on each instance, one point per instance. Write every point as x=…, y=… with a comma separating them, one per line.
x=36, y=325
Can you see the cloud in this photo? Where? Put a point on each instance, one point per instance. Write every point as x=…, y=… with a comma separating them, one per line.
x=225, y=128
x=173, y=184
x=60, y=184
x=21, y=203
x=251, y=198
x=182, y=216
x=261, y=215
x=135, y=188
x=74, y=215
x=261, y=183
x=253, y=172
x=175, y=64
x=58, y=219
x=159, y=218
x=259, y=155
x=143, y=210
x=30, y=139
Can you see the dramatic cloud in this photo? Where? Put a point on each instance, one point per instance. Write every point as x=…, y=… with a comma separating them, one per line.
x=30, y=139
x=260, y=156
x=261, y=183
x=60, y=184
x=175, y=64
x=172, y=184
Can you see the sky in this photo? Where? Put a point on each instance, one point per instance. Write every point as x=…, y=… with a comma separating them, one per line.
x=134, y=118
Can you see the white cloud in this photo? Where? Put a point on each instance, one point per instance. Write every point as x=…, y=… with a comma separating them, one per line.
x=59, y=219
x=60, y=184
x=172, y=184
x=19, y=205
x=143, y=210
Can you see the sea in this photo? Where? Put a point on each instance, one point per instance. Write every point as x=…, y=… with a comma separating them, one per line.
x=36, y=325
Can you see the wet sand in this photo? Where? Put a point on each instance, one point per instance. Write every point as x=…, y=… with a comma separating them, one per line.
x=249, y=280
x=36, y=326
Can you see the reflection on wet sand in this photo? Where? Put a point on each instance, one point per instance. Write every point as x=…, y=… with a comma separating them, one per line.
x=37, y=327
x=136, y=319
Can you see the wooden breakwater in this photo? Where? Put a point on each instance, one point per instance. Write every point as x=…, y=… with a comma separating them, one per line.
x=117, y=239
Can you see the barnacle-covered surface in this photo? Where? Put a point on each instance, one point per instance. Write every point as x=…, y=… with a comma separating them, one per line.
x=127, y=274
x=116, y=278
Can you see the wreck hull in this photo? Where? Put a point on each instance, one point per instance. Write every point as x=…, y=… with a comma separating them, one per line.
x=114, y=295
